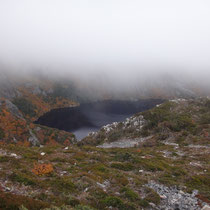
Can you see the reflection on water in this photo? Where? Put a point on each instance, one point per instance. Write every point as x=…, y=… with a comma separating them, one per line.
x=83, y=132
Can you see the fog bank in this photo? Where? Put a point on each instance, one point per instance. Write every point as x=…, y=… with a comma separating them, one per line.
x=118, y=42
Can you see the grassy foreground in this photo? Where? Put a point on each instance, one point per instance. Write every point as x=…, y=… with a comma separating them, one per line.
x=92, y=178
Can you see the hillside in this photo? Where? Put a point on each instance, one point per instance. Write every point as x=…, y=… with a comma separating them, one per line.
x=168, y=167
x=104, y=105
x=22, y=101
x=178, y=121
x=26, y=97
x=156, y=159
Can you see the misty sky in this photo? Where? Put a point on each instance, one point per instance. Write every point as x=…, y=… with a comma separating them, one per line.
x=112, y=36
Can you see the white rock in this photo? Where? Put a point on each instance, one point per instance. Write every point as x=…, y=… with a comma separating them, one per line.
x=135, y=123
x=106, y=183
x=63, y=172
x=8, y=189
x=195, y=192
x=42, y=153
x=66, y=148
x=140, y=171
x=174, y=200
x=206, y=207
x=13, y=155
x=152, y=205
x=181, y=192
x=163, y=196
x=101, y=185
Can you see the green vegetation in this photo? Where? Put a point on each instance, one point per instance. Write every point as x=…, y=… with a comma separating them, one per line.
x=25, y=106
x=152, y=196
x=2, y=134
x=130, y=194
x=21, y=178
x=200, y=182
x=114, y=202
x=4, y=159
x=119, y=168
x=158, y=114
x=9, y=201
x=86, y=177
x=63, y=184
x=82, y=207
x=175, y=121
x=123, y=166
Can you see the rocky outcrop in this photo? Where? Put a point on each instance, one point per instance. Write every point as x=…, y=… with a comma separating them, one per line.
x=174, y=198
x=33, y=139
x=13, y=109
x=119, y=131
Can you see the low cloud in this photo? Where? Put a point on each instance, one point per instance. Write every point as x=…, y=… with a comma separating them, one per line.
x=118, y=41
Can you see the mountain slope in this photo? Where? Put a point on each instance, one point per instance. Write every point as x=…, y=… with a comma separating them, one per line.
x=176, y=121
x=22, y=101
x=169, y=169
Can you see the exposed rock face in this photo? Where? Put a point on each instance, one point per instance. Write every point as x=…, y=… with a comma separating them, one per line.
x=33, y=139
x=135, y=122
x=120, y=128
x=173, y=198
x=13, y=109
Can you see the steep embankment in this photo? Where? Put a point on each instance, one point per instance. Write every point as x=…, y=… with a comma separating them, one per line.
x=23, y=101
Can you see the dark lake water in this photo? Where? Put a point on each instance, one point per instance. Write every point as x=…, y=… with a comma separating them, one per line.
x=90, y=117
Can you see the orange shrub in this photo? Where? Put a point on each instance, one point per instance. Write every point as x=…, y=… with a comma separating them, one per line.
x=42, y=169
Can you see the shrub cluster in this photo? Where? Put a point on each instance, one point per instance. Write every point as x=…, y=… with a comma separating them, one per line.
x=42, y=169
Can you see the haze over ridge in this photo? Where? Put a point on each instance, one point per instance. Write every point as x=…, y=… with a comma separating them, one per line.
x=114, y=41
